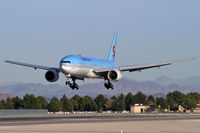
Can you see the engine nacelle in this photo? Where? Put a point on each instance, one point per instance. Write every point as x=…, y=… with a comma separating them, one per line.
x=114, y=75
x=52, y=76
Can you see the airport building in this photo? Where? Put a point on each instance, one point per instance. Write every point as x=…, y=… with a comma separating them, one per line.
x=194, y=110
x=197, y=109
x=181, y=109
x=139, y=108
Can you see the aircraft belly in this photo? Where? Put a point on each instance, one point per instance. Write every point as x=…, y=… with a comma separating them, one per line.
x=80, y=71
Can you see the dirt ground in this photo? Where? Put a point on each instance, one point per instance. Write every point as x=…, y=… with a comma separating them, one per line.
x=155, y=126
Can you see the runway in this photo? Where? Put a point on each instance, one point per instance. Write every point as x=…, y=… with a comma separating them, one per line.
x=102, y=123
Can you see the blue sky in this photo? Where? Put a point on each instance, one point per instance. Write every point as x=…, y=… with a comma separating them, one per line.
x=42, y=32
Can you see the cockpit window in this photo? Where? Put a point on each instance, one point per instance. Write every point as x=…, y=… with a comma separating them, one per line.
x=65, y=61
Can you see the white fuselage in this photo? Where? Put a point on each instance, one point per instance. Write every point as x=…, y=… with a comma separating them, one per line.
x=79, y=71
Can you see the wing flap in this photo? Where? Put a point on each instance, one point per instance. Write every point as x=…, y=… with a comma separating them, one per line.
x=133, y=68
x=147, y=66
x=141, y=67
x=31, y=65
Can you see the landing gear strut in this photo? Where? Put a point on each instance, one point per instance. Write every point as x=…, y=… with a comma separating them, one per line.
x=73, y=85
x=109, y=85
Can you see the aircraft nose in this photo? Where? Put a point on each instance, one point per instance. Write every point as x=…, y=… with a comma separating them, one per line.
x=62, y=67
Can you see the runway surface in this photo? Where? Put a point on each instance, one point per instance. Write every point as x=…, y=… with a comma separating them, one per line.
x=101, y=123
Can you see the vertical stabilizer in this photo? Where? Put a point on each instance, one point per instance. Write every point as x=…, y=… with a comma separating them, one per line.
x=113, y=48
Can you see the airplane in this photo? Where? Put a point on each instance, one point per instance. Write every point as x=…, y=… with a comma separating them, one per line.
x=77, y=67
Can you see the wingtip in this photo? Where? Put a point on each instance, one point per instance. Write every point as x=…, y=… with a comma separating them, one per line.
x=9, y=61
x=183, y=60
x=193, y=58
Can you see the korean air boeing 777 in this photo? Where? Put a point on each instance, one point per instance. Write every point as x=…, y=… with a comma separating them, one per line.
x=77, y=67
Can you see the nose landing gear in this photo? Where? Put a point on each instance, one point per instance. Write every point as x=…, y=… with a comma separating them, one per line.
x=73, y=85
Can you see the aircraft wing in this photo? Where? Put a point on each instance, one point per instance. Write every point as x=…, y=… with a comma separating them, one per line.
x=31, y=65
x=133, y=68
x=154, y=65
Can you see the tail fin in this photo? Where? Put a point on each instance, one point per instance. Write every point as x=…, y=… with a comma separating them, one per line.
x=113, y=48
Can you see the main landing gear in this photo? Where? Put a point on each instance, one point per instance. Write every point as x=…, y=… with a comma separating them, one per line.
x=109, y=85
x=73, y=85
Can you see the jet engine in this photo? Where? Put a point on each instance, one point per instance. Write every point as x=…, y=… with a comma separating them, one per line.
x=114, y=75
x=52, y=76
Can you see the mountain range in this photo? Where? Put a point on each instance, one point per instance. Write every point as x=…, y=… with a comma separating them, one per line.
x=158, y=87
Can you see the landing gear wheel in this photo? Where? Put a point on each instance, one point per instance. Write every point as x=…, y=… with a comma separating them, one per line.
x=72, y=85
x=75, y=86
x=67, y=82
x=109, y=85
x=106, y=85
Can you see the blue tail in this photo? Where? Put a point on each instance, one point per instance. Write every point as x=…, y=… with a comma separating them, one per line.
x=113, y=48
